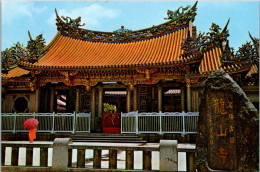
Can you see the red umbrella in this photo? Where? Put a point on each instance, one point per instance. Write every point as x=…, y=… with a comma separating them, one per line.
x=31, y=123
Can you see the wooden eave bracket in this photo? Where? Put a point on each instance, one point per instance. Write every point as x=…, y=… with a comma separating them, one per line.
x=147, y=72
x=68, y=73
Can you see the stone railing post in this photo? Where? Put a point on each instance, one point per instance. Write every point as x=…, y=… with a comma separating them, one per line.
x=60, y=156
x=168, y=155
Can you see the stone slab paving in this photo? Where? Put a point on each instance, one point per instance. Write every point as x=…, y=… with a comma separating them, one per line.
x=89, y=156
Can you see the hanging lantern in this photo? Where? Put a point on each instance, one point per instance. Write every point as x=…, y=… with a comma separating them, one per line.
x=131, y=87
x=87, y=87
x=150, y=81
x=32, y=89
x=71, y=82
x=31, y=86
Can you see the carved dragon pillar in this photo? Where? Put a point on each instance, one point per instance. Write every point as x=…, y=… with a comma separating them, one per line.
x=77, y=101
x=128, y=100
x=93, y=104
x=100, y=101
x=183, y=98
x=135, y=99
x=188, y=85
x=159, y=98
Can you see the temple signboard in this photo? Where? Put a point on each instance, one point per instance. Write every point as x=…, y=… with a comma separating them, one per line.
x=222, y=131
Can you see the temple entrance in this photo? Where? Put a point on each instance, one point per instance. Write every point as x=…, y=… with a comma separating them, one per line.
x=61, y=102
x=171, y=100
x=114, y=102
x=64, y=100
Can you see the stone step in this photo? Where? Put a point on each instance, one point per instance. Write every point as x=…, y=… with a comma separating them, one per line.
x=97, y=137
x=110, y=141
x=107, y=138
x=86, y=138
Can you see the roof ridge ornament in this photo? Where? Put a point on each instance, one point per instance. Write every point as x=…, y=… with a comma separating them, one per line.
x=254, y=40
x=69, y=27
x=225, y=28
x=66, y=23
x=35, y=48
x=247, y=53
x=122, y=30
x=30, y=35
x=205, y=42
x=187, y=14
x=73, y=22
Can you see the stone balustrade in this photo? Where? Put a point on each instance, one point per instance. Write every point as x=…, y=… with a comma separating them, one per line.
x=62, y=155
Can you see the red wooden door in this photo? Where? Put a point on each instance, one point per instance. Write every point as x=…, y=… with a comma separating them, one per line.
x=111, y=122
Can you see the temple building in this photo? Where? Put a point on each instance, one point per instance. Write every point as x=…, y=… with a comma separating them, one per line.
x=160, y=68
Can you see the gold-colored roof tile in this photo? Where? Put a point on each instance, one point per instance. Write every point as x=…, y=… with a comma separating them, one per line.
x=16, y=72
x=72, y=52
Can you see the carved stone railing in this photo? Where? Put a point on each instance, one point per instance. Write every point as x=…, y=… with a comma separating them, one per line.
x=62, y=155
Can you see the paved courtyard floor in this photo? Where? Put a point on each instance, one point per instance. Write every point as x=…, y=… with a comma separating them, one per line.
x=89, y=156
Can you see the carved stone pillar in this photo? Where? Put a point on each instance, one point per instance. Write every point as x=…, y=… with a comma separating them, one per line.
x=128, y=100
x=32, y=105
x=52, y=100
x=37, y=100
x=135, y=98
x=100, y=101
x=195, y=103
x=77, y=101
x=159, y=98
x=93, y=104
x=188, y=84
x=182, y=98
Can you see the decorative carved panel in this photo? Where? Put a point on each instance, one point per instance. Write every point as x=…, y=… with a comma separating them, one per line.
x=143, y=103
x=145, y=99
x=85, y=103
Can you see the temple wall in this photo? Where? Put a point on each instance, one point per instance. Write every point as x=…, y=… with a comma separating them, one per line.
x=19, y=101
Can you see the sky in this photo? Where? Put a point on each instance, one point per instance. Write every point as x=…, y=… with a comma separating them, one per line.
x=39, y=17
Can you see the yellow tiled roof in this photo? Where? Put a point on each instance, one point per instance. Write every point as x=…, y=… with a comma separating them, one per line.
x=16, y=72
x=211, y=61
x=70, y=52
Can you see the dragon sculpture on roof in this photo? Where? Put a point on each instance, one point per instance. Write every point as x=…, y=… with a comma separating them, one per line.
x=246, y=53
x=11, y=57
x=204, y=42
x=182, y=14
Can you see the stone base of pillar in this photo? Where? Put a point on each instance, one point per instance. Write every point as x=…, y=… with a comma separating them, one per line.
x=98, y=125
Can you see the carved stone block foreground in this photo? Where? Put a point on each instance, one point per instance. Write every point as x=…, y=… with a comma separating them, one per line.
x=228, y=127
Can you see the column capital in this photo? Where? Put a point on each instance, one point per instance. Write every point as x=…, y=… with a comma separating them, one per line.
x=130, y=87
x=188, y=82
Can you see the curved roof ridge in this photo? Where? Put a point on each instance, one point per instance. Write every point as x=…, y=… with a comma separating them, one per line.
x=118, y=42
x=177, y=19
